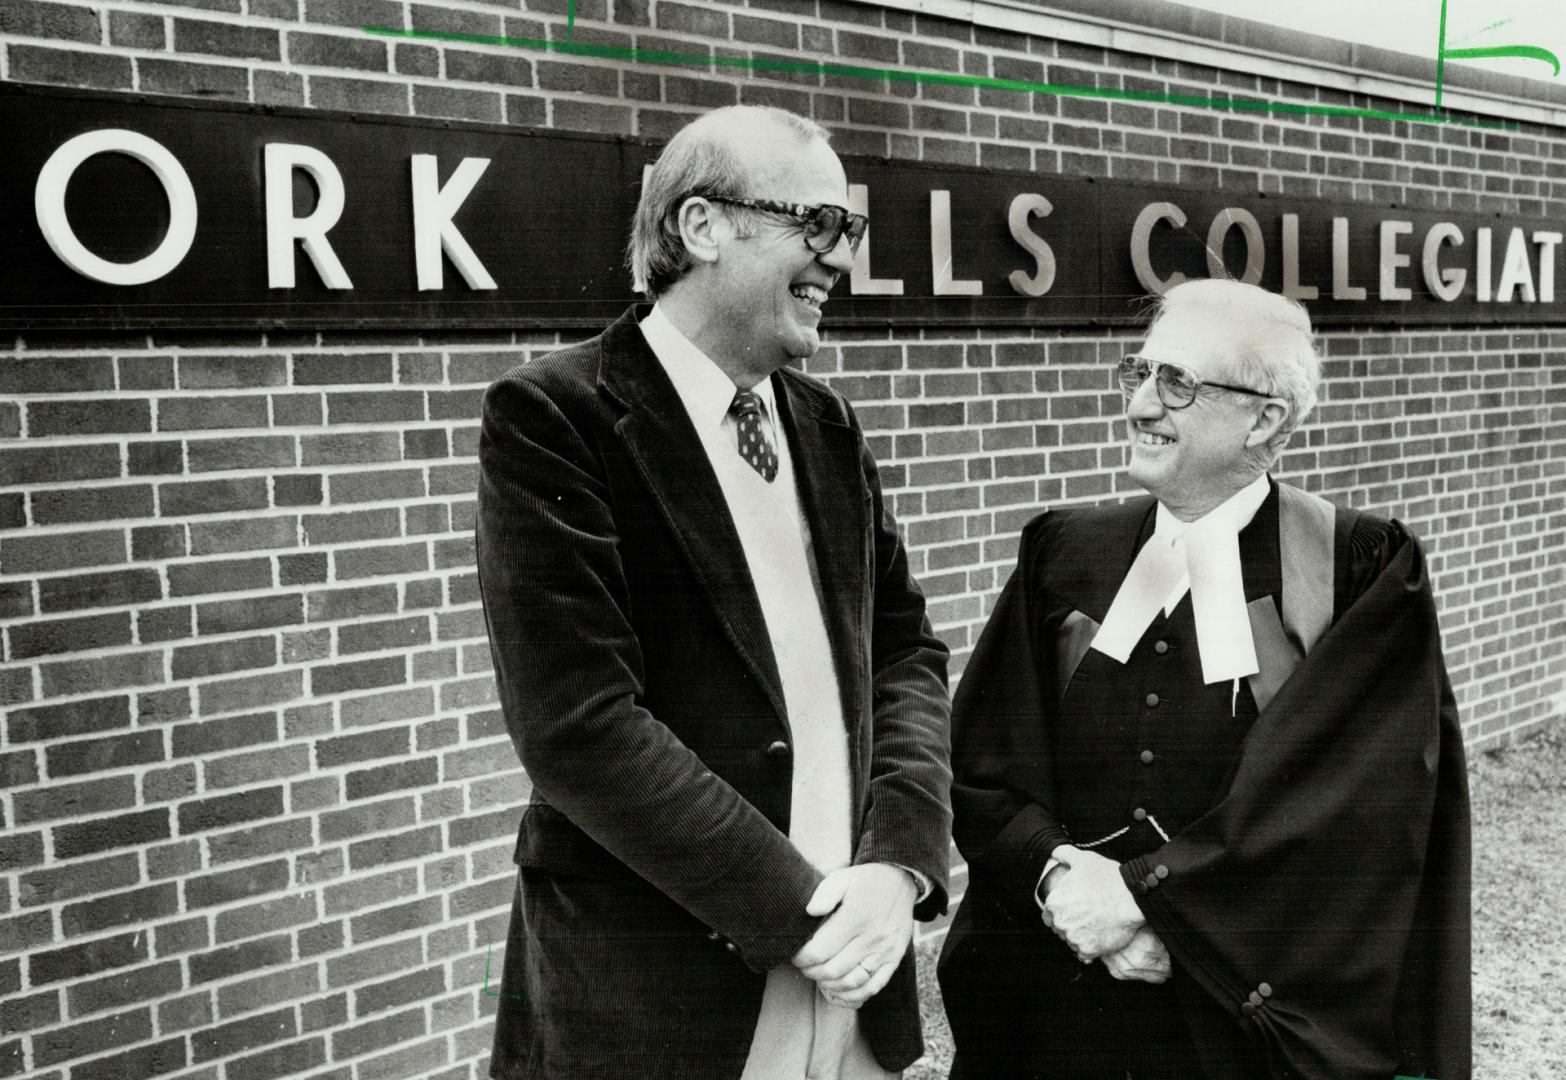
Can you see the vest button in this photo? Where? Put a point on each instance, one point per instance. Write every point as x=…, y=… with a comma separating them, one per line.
x=1247, y=1010
x=1160, y=647
x=1139, y=814
x=1147, y=757
x=1256, y=999
x=1264, y=990
x=1161, y=871
x=731, y=947
x=1151, y=880
x=1152, y=699
x=778, y=750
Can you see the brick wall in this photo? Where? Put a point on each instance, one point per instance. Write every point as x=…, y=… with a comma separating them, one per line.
x=258, y=801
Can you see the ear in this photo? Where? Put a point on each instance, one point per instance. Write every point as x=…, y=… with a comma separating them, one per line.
x=699, y=229
x=1265, y=426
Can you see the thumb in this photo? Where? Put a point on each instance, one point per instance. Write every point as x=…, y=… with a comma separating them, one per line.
x=828, y=894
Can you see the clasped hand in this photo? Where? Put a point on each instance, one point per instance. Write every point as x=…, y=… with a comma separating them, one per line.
x=869, y=923
x=1092, y=911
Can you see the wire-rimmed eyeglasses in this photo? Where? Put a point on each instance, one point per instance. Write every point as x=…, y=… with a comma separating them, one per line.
x=1177, y=387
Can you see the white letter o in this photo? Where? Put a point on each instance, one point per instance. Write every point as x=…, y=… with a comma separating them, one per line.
x=49, y=205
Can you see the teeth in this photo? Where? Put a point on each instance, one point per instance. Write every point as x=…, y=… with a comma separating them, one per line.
x=1151, y=438
x=814, y=295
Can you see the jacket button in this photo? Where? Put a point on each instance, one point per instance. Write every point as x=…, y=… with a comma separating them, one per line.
x=1247, y=1010
x=778, y=750
x=1256, y=999
x=714, y=937
x=1264, y=990
x=1151, y=881
x=1152, y=699
x=1161, y=870
x=1160, y=647
x=731, y=947
x=1147, y=757
x=1139, y=814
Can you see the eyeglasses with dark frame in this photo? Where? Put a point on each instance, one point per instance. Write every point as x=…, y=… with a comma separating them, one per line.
x=1176, y=386
x=824, y=225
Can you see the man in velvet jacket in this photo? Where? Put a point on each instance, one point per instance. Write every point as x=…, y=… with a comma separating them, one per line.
x=1209, y=771
x=711, y=657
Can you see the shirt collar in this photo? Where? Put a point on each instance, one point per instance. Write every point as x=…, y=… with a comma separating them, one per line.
x=702, y=385
x=1228, y=517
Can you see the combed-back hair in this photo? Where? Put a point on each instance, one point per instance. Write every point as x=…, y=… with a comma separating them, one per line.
x=702, y=160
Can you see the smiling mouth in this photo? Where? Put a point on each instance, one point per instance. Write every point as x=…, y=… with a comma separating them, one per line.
x=811, y=295
x=1152, y=438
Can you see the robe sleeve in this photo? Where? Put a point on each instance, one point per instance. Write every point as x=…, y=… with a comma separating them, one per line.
x=1001, y=754
x=1324, y=901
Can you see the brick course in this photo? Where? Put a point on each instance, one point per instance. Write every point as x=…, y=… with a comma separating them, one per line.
x=252, y=756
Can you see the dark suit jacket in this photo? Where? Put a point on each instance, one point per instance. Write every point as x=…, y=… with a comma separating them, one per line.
x=640, y=690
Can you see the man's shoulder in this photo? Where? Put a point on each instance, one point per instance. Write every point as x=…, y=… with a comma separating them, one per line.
x=815, y=394
x=1085, y=525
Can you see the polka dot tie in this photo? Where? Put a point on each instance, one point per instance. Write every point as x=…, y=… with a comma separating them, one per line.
x=754, y=446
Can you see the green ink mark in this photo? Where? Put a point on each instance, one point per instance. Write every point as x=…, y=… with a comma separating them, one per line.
x=812, y=67
x=571, y=21
x=1524, y=52
x=518, y=997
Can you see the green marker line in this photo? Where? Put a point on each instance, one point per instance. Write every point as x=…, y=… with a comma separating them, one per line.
x=571, y=21
x=811, y=67
x=1526, y=52
x=495, y=993
x=1440, y=54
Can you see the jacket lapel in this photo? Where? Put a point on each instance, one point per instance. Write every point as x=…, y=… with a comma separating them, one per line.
x=825, y=452
x=660, y=439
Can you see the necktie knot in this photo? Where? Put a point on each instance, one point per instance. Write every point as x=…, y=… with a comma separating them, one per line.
x=751, y=435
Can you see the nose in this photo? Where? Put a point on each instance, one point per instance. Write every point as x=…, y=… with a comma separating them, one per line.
x=841, y=258
x=1145, y=404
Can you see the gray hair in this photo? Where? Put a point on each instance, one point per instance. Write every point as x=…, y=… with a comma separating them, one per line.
x=702, y=159
x=1274, y=348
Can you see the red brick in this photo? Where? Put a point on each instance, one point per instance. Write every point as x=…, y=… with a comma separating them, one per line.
x=59, y=464
x=156, y=458
x=67, y=719
x=203, y=814
x=378, y=1034
x=358, y=675
x=120, y=830
x=338, y=369
x=384, y=560
x=138, y=1064
x=247, y=452
x=403, y=990
x=226, y=39
x=74, y=800
x=54, y=374
x=184, y=1013
x=336, y=51
x=232, y=575
x=249, y=692
x=254, y=841
x=64, y=1043
x=19, y=1014
x=222, y=657
x=118, y=909
x=101, y=755
x=396, y=847
x=34, y=64
x=293, y=1059
x=60, y=883
x=248, y=995
x=88, y=417
x=226, y=372
x=368, y=783
x=73, y=961
x=207, y=737
x=230, y=885
x=26, y=931
x=360, y=95
x=276, y=913
x=474, y=828
x=68, y=677
x=184, y=499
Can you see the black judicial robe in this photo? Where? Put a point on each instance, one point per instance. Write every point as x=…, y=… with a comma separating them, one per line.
x=1307, y=867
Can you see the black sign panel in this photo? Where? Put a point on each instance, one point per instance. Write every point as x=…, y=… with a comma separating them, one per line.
x=547, y=220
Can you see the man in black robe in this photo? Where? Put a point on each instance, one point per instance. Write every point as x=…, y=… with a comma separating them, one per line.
x=1208, y=740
